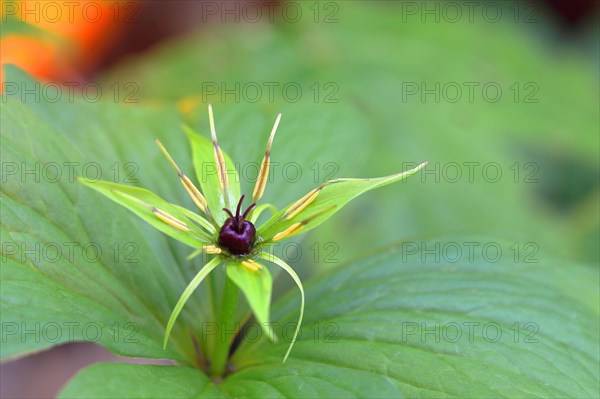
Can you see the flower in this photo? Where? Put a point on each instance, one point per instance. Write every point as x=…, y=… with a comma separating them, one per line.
x=231, y=237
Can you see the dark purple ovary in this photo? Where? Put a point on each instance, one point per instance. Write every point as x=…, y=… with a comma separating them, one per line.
x=237, y=234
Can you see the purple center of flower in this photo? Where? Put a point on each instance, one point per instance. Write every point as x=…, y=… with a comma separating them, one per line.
x=237, y=234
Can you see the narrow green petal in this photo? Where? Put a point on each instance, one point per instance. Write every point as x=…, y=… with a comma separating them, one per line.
x=208, y=177
x=189, y=290
x=273, y=259
x=321, y=203
x=151, y=208
x=256, y=283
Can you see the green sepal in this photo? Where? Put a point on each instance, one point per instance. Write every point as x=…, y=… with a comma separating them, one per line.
x=331, y=197
x=206, y=173
x=134, y=198
x=256, y=286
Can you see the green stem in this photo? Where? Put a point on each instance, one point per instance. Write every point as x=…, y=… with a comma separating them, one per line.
x=225, y=329
x=212, y=288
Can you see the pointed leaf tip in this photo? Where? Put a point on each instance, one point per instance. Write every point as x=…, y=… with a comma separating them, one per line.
x=322, y=202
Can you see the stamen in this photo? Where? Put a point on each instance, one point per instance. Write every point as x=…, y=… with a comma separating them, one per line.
x=194, y=193
x=191, y=189
x=296, y=227
x=301, y=204
x=219, y=158
x=211, y=249
x=170, y=220
x=252, y=265
x=261, y=182
x=162, y=215
x=288, y=232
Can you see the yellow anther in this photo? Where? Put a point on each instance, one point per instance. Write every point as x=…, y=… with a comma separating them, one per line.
x=221, y=168
x=162, y=215
x=252, y=265
x=296, y=227
x=301, y=204
x=194, y=193
x=261, y=182
x=170, y=220
x=218, y=154
x=191, y=189
x=288, y=232
x=211, y=249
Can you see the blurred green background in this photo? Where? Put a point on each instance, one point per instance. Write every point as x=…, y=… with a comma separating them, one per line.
x=505, y=112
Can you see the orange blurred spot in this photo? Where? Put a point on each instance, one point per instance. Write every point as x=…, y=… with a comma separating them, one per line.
x=82, y=32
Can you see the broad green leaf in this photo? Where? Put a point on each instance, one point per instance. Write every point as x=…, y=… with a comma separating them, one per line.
x=206, y=172
x=386, y=324
x=187, y=293
x=74, y=266
x=118, y=380
x=256, y=286
x=136, y=200
x=389, y=325
x=321, y=203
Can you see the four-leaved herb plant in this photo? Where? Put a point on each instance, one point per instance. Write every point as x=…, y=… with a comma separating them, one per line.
x=232, y=238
